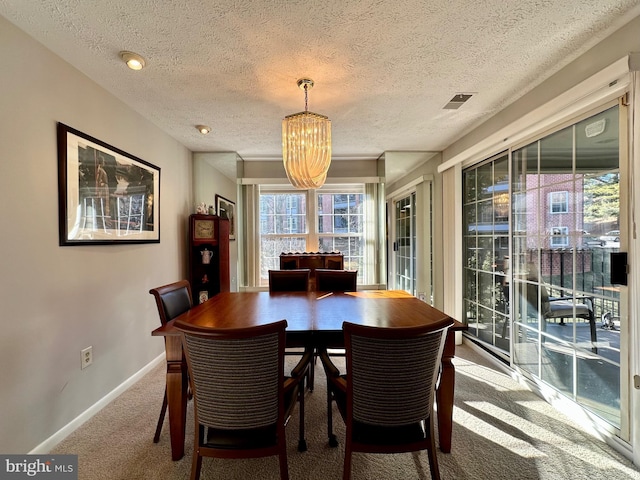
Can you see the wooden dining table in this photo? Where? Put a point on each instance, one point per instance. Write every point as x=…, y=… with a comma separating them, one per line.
x=314, y=320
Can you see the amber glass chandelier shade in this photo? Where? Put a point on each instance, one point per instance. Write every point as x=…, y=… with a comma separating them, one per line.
x=306, y=149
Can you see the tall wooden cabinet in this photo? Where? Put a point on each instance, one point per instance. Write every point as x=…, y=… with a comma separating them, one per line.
x=208, y=256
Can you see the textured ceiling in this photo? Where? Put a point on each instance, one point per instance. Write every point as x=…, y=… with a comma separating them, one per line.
x=383, y=69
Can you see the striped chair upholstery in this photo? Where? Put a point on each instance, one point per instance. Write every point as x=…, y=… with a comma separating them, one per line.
x=402, y=395
x=248, y=380
x=386, y=397
x=242, y=399
x=171, y=300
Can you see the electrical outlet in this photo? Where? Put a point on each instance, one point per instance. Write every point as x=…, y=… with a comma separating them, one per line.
x=86, y=357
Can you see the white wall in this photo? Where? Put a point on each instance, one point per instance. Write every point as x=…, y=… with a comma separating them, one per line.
x=427, y=167
x=340, y=170
x=209, y=182
x=58, y=300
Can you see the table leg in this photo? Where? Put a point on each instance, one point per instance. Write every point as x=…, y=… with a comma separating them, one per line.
x=176, y=395
x=444, y=394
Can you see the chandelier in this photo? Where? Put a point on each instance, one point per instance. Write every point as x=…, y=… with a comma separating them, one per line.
x=306, y=145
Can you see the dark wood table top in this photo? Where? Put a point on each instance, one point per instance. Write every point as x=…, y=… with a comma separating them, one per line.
x=310, y=312
x=314, y=320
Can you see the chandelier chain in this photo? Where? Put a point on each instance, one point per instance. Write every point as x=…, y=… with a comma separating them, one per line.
x=306, y=90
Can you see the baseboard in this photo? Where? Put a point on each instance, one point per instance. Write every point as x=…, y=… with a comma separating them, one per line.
x=48, y=445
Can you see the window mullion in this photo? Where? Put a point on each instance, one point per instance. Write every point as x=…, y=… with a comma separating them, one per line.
x=313, y=242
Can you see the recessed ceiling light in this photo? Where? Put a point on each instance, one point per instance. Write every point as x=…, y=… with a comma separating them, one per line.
x=203, y=129
x=133, y=60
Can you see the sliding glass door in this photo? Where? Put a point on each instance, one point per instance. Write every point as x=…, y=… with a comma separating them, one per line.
x=540, y=225
x=566, y=223
x=405, y=244
x=486, y=250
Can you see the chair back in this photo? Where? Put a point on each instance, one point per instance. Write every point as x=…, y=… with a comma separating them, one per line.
x=289, y=280
x=289, y=264
x=335, y=264
x=392, y=372
x=172, y=300
x=537, y=299
x=328, y=280
x=236, y=374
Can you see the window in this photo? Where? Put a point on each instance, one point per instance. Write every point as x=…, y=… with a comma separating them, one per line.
x=340, y=226
x=329, y=220
x=283, y=227
x=559, y=202
x=559, y=237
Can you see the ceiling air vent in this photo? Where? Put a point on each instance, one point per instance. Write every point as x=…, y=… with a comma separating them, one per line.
x=457, y=101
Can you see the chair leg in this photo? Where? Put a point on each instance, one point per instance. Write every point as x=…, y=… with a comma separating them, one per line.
x=312, y=370
x=198, y=440
x=163, y=411
x=333, y=441
x=592, y=328
x=302, y=442
x=432, y=452
x=196, y=465
x=282, y=457
x=346, y=475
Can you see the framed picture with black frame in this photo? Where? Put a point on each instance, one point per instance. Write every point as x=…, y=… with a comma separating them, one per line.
x=105, y=195
x=227, y=209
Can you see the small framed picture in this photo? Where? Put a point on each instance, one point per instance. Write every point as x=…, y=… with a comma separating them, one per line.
x=227, y=209
x=203, y=296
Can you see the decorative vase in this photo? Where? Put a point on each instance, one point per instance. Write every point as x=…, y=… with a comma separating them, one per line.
x=206, y=256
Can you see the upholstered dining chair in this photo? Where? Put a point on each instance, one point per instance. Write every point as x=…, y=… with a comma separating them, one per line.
x=242, y=400
x=328, y=280
x=289, y=280
x=172, y=300
x=386, y=396
x=295, y=280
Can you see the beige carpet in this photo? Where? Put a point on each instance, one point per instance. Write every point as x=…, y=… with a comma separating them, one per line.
x=501, y=431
